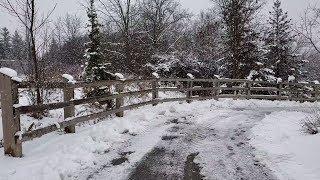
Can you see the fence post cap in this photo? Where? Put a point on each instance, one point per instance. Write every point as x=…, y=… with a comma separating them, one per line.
x=190, y=76
x=279, y=80
x=156, y=75
x=68, y=78
x=217, y=77
x=119, y=76
x=291, y=78
x=10, y=73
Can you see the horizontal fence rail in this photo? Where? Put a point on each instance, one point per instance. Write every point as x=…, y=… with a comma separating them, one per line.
x=193, y=89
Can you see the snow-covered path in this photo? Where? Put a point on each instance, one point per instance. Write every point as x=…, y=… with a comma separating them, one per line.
x=206, y=139
x=219, y=146
x=216, y=141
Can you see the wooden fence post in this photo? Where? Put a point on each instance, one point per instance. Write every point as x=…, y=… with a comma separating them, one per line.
x=155, y=86
x=189, y=86
x=10, y=118
x=280, y=86
x=316, y=92
x=217, y=89
x=119, y=89
x=68, y=95
x=249, y=85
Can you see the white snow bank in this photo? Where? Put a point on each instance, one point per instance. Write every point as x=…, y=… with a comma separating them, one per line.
x=190, y=76
x=258, y=104
x=69, y=78
x=119, y=75
x=156, y=75
x=11, y=73
x=291, y=78
x=60, y=156
x=67, y=156
x=283, y=146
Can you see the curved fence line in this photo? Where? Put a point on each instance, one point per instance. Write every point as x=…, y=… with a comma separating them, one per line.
x=194, y=89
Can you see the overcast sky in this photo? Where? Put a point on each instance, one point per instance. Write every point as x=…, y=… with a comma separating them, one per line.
x=294, y=7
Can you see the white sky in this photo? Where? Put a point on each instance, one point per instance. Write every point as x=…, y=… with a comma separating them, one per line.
x=294, y=7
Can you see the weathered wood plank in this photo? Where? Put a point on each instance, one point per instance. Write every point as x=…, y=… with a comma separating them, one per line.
x=233, y=80
x=69, y=111
x=42, y=131
x=264, y=89
x=236, y=88
x=52, y=106
x=185, y=89
x=10, y=118
x=46, y=85
x=155, y=92
x=119, y=100
x=190, y=86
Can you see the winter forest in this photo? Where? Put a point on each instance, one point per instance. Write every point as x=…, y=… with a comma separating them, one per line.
x=231, y=39
x=149, y=90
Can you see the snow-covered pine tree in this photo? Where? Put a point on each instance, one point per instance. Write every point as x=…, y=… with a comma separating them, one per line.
x=279, y=45
x=96, y=69
x=240, y=38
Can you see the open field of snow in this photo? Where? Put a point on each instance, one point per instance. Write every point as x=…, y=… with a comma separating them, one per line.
x=218, y=132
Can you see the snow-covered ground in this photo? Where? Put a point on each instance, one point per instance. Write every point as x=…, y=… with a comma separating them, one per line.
x=285, y=148
x=94, y=150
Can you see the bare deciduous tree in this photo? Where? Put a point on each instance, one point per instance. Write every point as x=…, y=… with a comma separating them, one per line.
x=26, y=12
x=67, y=27
x=309, y=27
x=160, y=18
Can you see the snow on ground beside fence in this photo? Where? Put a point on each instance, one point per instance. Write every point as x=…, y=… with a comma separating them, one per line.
x=60, y=156
x=54, y=116
x=278, y=140
x=285, y=148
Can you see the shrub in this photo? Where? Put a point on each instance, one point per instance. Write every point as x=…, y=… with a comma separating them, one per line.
x=310, y=126
x=311, y=123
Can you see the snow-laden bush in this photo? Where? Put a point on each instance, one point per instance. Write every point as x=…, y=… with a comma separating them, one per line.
x=311, y=123
x=179, y=65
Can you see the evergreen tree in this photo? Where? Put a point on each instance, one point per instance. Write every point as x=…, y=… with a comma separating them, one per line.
x=17, y=48
x=53, y=56
x=240, y=38
x=1, y=51
x=279, y=44
x=96, y=68
x=5, y=44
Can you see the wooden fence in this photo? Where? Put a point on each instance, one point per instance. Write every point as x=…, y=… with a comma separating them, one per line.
x=194, y=89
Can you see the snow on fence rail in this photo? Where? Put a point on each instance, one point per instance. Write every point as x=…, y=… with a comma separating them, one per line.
x=195, y=89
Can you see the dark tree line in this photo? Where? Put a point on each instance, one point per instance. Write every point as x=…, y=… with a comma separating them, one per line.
x=13, y=50
x=137, y=38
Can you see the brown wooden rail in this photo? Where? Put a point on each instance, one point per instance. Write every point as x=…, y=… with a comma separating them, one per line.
x=194, y=89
